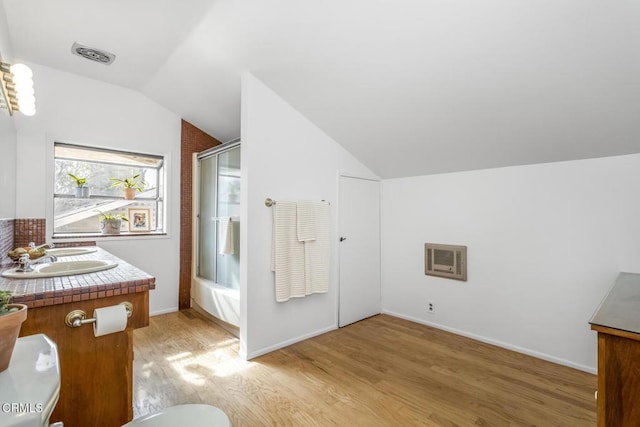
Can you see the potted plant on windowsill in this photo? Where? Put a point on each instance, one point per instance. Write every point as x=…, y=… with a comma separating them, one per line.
x=130, y=185
x=81, y=190
x=111, y=223
x=11, y=318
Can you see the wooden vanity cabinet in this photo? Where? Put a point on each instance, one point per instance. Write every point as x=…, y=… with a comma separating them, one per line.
x=618, y=377
x=617, y=322
x=96, y=372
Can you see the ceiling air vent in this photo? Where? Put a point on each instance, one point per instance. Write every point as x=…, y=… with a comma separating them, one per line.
x=93, y=54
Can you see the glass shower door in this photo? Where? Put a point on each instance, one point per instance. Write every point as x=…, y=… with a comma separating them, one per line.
x=207, y=233
x=219, y=202
x=228, y=205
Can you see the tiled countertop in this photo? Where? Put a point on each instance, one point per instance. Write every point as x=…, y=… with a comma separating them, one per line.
x=121, y=280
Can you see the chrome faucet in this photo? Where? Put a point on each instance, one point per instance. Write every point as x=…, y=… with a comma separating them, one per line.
x=25, y=264
x=52, y=258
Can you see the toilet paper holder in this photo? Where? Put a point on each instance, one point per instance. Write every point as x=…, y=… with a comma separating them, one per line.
x=76, y=318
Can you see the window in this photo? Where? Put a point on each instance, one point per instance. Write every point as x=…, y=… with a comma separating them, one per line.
x=78, y=211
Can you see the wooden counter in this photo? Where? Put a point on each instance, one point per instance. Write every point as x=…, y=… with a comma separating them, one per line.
x=617, y=322
x=96, y=372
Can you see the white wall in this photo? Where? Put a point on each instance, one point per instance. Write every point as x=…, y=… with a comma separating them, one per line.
x=8, y=141
x=545, y=243
x=84, y=111
x=285, y=157
x=8, y=137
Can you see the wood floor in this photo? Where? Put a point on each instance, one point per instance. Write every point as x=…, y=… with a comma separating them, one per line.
x=382, y=371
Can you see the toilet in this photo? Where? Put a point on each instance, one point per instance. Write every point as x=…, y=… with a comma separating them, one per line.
x=30, y=386
x=192, y=415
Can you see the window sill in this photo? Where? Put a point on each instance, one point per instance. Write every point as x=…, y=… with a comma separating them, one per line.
x=67, y=237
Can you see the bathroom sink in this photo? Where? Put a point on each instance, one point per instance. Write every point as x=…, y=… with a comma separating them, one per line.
x=70, y=251
x=61, y=268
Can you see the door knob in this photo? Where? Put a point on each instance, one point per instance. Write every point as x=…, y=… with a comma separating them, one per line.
x=342, y=239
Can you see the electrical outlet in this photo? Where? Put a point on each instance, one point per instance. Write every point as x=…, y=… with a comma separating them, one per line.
x=431, y=307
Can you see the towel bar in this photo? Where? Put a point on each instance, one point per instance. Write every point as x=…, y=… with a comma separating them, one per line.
x=268, y=202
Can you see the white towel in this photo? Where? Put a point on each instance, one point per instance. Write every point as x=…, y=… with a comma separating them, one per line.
x=306, y=219
x=287, y=253
x=225, y=236
x=317, y=252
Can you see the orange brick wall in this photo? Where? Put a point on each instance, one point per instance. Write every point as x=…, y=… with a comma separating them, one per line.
x=193, y=141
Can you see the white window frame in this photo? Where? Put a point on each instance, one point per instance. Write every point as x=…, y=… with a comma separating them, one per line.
x=162, y=199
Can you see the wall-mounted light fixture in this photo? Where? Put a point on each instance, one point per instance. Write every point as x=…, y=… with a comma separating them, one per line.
x=16, y=87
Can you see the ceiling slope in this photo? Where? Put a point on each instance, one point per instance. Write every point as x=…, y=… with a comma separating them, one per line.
x=408, y=87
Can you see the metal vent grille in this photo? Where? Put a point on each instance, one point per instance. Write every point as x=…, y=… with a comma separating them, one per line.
x=446, y=261
x=93, y=54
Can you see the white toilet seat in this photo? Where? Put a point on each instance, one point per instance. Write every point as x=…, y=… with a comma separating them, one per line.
x=192, y=415
x=32, y=381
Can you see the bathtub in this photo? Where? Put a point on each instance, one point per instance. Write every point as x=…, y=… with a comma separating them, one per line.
x=215, y=300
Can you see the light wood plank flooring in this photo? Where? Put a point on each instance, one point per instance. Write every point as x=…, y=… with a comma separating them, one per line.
x=382, y=371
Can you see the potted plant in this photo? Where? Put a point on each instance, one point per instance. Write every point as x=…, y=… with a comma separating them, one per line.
x=111, y=223
x=11, y=318
x=81, y=190
x=130, y=185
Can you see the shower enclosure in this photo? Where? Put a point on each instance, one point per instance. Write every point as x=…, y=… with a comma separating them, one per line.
x=215, y=274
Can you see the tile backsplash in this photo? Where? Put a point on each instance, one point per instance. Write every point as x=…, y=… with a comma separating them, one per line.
x=29, y=230
x=19, y=232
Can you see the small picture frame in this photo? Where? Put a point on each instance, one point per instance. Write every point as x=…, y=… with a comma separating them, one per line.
x=139, y=219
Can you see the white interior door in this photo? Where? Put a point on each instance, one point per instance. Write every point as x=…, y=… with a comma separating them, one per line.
x=359, y=231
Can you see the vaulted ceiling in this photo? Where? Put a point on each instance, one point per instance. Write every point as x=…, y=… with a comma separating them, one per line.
x=410, y=87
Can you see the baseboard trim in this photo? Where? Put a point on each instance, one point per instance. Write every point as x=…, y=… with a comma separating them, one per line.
x=165, y=311
x=497, y=343
x=253, y=354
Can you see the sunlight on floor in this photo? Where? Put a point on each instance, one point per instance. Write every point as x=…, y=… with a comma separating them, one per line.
x=179, y=356
x=196, y=367
x=146, y=370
